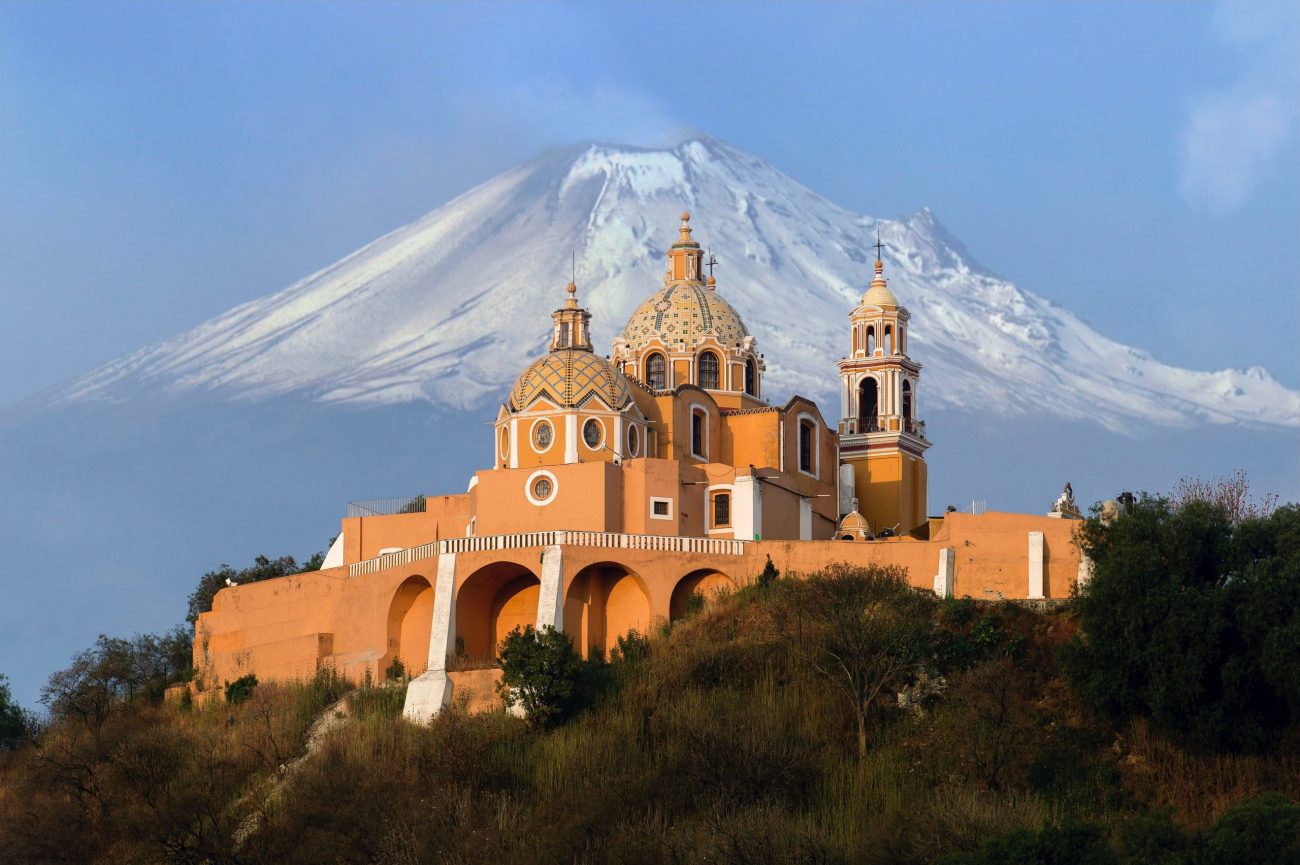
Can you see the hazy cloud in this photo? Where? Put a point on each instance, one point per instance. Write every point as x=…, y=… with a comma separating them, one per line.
x=1233, y=134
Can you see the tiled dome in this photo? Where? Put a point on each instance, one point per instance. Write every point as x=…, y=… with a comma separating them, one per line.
x=568, y=377
x=684, y=312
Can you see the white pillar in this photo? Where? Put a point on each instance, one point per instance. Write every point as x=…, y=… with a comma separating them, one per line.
x=550, y=600
x=805, y=519
x=618, y=438
x=944, y=582
x=746, y=508
x=1085, y=571
x=847, y=489
x=1036, y=562
x=571, y=438
x=514, y=443
x=430, y=693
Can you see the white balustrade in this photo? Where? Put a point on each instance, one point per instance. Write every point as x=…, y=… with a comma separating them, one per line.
x=614, y=540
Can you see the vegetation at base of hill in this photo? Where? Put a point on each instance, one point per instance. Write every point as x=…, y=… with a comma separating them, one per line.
x=16, y=724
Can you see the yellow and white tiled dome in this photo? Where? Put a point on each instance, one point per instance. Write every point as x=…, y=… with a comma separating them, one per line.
x=684, y=313
x=569, y=377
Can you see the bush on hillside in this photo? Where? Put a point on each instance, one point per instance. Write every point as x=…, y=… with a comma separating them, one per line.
x=540, y=672
x=14, y=722
x=1192, y=619
x=115, y=671
x=864, y=631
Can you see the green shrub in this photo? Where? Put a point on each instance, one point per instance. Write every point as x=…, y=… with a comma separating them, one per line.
x=1260, y=831
x=540, y=674
x=1064, y=845
x=1192, y=619
x=241, y=689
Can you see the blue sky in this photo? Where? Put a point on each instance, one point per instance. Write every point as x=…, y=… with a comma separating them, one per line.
x=1136, y=163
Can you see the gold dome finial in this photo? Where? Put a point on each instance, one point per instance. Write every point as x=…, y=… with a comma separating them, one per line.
x=685, y=234
x=712, y=283
x=572, y=300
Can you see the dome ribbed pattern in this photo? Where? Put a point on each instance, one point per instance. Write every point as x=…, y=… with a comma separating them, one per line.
x=569, y=377
x=684, y=312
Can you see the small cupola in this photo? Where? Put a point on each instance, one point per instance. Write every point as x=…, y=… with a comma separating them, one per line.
x=572, y=324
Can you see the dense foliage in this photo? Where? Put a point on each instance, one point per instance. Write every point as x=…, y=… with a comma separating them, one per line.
x=540, y=674
x=1192, y=619
x=14, y=722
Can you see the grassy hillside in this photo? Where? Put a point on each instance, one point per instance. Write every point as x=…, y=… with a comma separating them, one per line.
x=729, y=739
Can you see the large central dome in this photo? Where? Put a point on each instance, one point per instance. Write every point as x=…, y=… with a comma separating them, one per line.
x=684, y=313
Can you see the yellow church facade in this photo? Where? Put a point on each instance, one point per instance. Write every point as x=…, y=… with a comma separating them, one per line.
x=621, y=487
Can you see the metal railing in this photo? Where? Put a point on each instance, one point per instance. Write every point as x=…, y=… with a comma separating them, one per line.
x=386, y=507
x=610, y=540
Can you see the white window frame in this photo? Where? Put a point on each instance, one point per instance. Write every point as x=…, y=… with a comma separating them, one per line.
x=532, y=435
x=815, y=451
x=532, y=479
x=701, y=409
x=655, y=500
x=709, y=526
x=633, y=433
x=603, y=433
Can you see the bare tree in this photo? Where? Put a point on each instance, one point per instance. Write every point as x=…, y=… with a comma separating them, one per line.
x=863, y=630
x=1231, y=493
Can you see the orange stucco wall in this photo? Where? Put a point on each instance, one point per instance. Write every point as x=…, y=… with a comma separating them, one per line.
x=284, y=628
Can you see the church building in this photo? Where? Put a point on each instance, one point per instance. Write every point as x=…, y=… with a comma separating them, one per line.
x=620, y=488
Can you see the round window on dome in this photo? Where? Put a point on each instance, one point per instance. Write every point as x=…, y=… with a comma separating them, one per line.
x=593, y=433
x=542, y=435
x=542, y=489
x=633, y=440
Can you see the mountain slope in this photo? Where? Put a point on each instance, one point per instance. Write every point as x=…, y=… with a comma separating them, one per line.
x=451, y=307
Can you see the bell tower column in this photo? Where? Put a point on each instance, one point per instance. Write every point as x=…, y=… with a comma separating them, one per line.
x=881, y=439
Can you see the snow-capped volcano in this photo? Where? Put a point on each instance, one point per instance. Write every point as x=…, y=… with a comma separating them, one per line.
x=451, y=307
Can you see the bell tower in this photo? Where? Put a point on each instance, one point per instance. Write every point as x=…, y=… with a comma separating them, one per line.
x=882, y=441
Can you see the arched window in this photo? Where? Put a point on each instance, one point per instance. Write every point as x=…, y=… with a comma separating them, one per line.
x=868, y=405
x=751, y=377
x=656, y=371
x=807, y=435
x=889, y=340
x=698, y=419
x=871, y=340
x=709, y=371
x=907, y=400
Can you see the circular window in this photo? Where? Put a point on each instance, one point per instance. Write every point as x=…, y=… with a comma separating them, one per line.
x=633, y=439
x=505, y=445
x=541, y=487
x=542, y=435
x=592, y=433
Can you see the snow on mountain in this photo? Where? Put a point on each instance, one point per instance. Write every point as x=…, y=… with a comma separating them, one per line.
x=451, y=307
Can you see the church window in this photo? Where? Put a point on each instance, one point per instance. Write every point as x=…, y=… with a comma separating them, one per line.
x=592, y=433
x=656, y=371
x=698, y=419
x=505, y=444
x=807, y=434
x=889, y=340
x=751, y=377
x=721, y=510
x=661, y=509
x=542, y=489
x=871, y=340
x=868, y=405
x=633, y=440
x=542, y=435
x=907, y=400
x=709, y=371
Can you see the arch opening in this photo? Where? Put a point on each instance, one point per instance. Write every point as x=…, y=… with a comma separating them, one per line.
x=491, y=603
x=410, y=621
x=605, y=601
x=706, y=583
x=656, y=371
x=868, y=405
